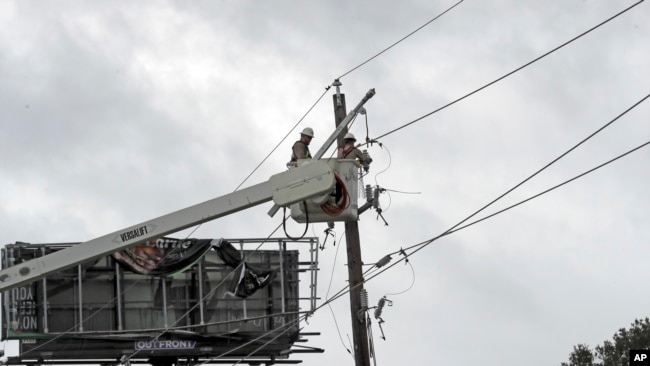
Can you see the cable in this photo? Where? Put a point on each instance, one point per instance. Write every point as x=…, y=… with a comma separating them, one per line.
x=329, y=86
x=335, y=209
x=489, y=84
x=451, y=231
x=467, y=95
x=552, y=162
x=425, y=243
x=371, y=339
x=402, y=39
x=367, y=128
x=508, y=74
x=457, y=227
x=554, y=187
x=336, y=254
x=285, y=137
x=390, y=162
x=284, y=222
x=403, y=192
x=410, y=286
x=336, y=324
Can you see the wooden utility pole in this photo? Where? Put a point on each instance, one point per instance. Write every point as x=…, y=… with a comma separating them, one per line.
x=355, y=275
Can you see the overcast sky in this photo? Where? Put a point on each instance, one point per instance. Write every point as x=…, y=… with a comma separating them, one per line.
x=116, y=112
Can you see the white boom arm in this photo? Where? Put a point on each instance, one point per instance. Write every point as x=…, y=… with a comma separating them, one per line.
x=284, y=188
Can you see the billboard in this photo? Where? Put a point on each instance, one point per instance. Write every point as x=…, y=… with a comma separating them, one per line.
x=166, y=299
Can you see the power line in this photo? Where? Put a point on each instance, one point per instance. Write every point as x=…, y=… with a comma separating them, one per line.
x=448, y=232
x=455, y=228
x=376, y=271
x=425, y=243
x=284, y=138
x=553, y=161
x=402, y=39
x=336, y=323
x=329, y=86
x=510, y=73
x=554, y=187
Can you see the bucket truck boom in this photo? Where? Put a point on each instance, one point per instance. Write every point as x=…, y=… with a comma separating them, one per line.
x=284, y=189
x=292, y=186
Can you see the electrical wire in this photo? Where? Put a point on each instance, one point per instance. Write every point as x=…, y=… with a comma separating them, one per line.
x=417, y=247
x=399, y=41
x=371, y=339
x=553, y=161
x=328, y=209
x=510, y=73
x=484, y=87
x=390, y=162
x=338, y=330
x=335, y=257
x=330, y=85
x=403, y=192
x=284, y=222
x=458, y=227
x=410, y=286
x=284, y=138
x=239, y=186
x=335, y=209
x=421, y=245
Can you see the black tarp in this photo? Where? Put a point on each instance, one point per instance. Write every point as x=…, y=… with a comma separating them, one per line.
x=248, y=278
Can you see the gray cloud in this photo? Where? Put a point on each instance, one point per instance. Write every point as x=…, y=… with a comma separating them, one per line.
x=112, y=113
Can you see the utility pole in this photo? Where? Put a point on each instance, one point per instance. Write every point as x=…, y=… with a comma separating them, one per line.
x=355, y=275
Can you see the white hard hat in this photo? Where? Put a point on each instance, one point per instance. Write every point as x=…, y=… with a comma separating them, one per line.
x=308, y=132
x=349, y=136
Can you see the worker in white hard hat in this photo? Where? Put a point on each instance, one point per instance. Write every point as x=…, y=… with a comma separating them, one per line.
x=350, y=151
x=300, y=149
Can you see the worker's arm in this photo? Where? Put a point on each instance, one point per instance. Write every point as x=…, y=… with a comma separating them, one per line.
x=300, y=150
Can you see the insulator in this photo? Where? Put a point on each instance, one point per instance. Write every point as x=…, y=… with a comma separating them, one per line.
x=380, y=307
x=368, y=192
x=366, y=155
x=364, y=299
x=375, y=200
x=382, y=262
x=365, y=160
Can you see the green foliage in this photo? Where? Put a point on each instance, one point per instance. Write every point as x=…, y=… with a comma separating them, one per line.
x=615, y=352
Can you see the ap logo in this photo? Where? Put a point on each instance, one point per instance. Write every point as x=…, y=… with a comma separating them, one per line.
x=639, y=357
